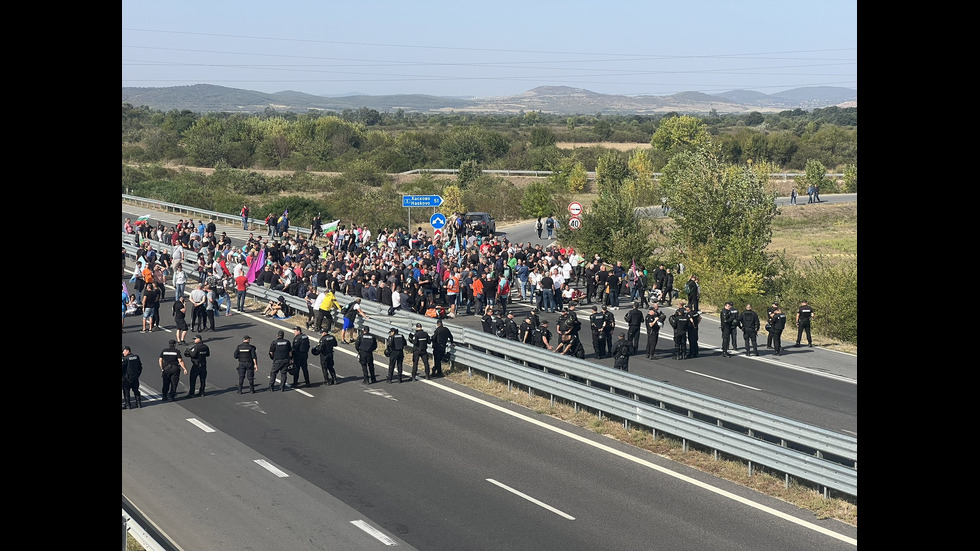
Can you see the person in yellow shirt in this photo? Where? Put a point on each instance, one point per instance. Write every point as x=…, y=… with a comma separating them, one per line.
x=325, y=305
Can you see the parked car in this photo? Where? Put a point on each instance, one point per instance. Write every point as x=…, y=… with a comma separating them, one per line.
x=479, y=223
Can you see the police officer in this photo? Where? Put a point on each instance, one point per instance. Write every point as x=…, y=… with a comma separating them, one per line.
x=132, y=368
x=596, y=321
x=365, y=345
x=248, y=363
x=535, y=320
x=511, y=330
x=729, y=322
x=654, y=320
x=441, y=339
x=769, y=313
x=621, y=353
x=680, y=321
x=395, y=347
x=692, y=333
x=279, y=352
x=420, y=341
x=171, y=364
x=541, y=336
x=324, y=349
x=634, y=321
x=570, y=345
x=803, y=317
x=487, y=320
x=778, y=325
x=198, y=353
x=499, y=325
x=301, y=353
x=749, y=322
x=607, y=328
x=525, y=330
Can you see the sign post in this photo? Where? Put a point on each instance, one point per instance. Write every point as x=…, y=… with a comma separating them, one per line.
x=409, y=201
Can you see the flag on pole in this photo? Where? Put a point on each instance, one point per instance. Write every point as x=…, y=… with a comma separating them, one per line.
x=255, y=266
x=330, y=226
x=143, y=218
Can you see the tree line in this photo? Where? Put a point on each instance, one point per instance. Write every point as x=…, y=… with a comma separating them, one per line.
x=399, y=141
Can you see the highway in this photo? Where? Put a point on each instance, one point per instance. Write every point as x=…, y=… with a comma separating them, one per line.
x=432, y=465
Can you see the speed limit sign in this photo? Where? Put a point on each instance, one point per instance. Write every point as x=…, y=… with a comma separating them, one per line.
x=575, y=208
x=574, y=223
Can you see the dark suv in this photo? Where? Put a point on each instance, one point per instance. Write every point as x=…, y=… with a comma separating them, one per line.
x=480, y=223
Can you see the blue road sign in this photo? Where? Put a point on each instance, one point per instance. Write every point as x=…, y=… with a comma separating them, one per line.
x=438, y=221
x=421, y=200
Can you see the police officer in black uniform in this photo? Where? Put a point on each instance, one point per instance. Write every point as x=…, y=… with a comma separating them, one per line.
x=365, y=345
x=198, y=353
x=692, y=333
x=769, y=313
x=420, y=341
x=749, y=322
x=279, y=352
x=654, y=320
x=171, y=365
x=634, y=321
x=511, y=330
x=395, y=347
x=596, y=321
x=248, y=363
x=778, y=325
x=132, y=368
x=621, y=353
x=570, y=345
x=541, y=336
x=680, y=321
x=729, y=323
x=324, y=349
x=442, y=337
x=607, y=328
x=803, y=317
x=301, y=354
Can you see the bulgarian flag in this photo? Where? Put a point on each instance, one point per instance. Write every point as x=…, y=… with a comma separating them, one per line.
x=329, y=227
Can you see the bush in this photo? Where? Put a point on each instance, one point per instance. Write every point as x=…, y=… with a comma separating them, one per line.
x=831, y=289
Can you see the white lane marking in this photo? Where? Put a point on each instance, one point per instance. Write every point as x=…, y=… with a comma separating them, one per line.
x=271, y=468
x=720, y=379
x=373, y=532
x=380, y=392
x=664, y=470
x=531, y=499
x=253, y=405
x=200, y=425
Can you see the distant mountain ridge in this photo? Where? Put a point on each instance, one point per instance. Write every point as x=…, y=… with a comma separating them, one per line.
x=206, y=98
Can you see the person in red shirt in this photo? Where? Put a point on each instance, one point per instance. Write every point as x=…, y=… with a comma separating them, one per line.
x=241, y=284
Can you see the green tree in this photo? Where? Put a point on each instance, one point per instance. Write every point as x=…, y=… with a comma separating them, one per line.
x=724, y=211
x=815, y=174
x=680, y=133
x=539, y=199
x=469, y=171
x=578, y=178
x=850, y=179
x=542, y=136
x=452, y=200
x=610, y=226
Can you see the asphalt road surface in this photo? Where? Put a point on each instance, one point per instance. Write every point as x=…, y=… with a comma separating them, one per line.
x=424, y=464
x=432, y=465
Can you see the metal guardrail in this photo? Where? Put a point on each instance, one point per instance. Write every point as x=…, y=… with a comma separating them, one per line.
x=799, y=450
x=255, y=224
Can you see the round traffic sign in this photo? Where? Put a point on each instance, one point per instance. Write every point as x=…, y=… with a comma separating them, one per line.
x=438, y=220
x=574, y=223
x=575, y=208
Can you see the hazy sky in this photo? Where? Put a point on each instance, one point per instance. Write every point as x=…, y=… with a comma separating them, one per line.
x=492, y=48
